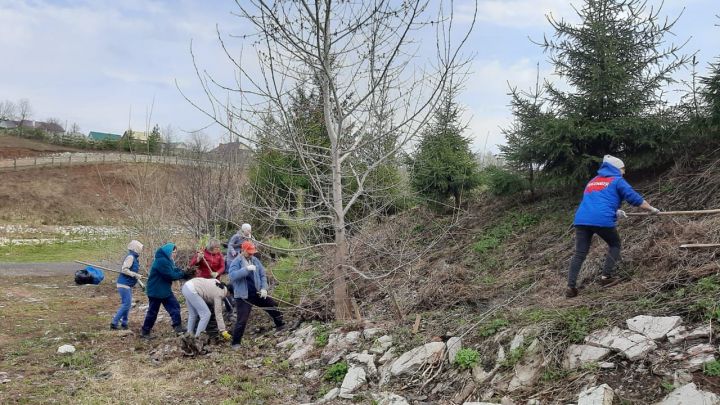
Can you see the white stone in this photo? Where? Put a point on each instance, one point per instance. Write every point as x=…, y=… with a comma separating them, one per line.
x=297, y=357
x=312, y=375
x=528, y=370
x=388, y=398
x=66, y=349
x=677, y=335
x=411, y=361
x=479, y=403
x=578, y=355
x=696, y=356
x=633, y=346
x=480, y=375
x=331, y=395
x=517, y=341
x=690, y=395
x=352, y=337
x=454, y=344
x=335, y=349
x=370, y=333
x=388, y=356
x=500, y=355
x=363, y=359
x=382, y=344
x=602, y=395
x=654, y=327
x=606, y=365
x=305, y=333
x=354, y=379
x=291, y=343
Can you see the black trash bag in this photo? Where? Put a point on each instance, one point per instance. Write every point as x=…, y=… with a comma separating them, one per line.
x=83, y=277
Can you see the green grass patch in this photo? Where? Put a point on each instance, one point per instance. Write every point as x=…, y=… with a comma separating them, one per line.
x=493, y=327
x=77, y=361
x=496, y=235
x=63, y=251
x=467, y=358
x=712, y=369
x=336, y=372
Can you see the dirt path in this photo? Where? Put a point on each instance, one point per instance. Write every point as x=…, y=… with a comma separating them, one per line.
x=44, y=269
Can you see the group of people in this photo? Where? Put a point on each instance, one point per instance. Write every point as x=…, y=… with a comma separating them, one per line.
x=204, y=292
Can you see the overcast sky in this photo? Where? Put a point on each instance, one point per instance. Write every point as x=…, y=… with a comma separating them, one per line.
x=101, y=63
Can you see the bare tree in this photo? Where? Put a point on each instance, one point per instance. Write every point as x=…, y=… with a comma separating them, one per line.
x=24, y=110
x=364, y=57
x=75, y=128
x=7, y=110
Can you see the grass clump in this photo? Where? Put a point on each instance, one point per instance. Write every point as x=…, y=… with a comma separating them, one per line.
x=77, y=361
x=322, y=335
x=467, y=358
x=712, y=368
x=336, y=372
x=510, y=224
x=493, y=327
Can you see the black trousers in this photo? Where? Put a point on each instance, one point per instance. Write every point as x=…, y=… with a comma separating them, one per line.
x=583, y=240
x=243, y=308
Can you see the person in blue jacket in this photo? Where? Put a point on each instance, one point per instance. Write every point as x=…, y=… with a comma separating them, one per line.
x=162, y=273
x=125, y=283
x=597, y=214
x=250, y=284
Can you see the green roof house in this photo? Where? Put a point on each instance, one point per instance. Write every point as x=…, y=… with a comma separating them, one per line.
x=103, y=136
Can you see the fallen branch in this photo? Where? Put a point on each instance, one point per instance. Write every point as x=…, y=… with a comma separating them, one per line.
x=699, y=245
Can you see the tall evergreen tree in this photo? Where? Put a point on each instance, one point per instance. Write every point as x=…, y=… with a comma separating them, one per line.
x=443, y=165
x=711, y=93
x=616, y=63
x=153, y=141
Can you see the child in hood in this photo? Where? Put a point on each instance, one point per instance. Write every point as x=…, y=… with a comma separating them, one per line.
x=162, y=273
x=125, y=283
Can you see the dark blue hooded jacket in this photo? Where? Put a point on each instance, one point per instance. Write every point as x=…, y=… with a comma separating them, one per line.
x=162, y=273
x=603, y=196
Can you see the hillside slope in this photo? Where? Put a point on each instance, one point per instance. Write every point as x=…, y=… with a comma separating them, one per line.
x=15, y=147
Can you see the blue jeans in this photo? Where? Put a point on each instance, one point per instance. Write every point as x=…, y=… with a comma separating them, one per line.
x=172, y=306
x=125, y=304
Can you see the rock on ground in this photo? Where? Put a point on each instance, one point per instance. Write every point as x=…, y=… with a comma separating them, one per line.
x=354, y=379
x=578, y=355
x=66, y=349
x=690, y=395
x=602, y=395
x=454, y=344
x=528, y=370
x=654, y=327
x=633, y=346
x=411, y=361
x=387, y=398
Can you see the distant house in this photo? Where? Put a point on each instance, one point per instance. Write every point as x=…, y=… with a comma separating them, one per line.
x=232, y=151
x=103, y=136
x=137, y=135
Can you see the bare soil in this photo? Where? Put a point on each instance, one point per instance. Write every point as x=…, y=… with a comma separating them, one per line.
x=13, y=147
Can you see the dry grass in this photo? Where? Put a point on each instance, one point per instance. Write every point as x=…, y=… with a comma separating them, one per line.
x=109, y=367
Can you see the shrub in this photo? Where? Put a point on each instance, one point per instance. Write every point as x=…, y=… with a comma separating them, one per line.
x=467, y=358
x=502, y=182
x=336, y=372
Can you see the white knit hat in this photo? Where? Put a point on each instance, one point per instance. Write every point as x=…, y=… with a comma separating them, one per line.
x=135, y=246
x=614, y=161
x=246, y=228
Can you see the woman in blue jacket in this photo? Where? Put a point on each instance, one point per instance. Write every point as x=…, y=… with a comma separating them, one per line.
x=598, y=213
x=162, y=273
x=125, y=283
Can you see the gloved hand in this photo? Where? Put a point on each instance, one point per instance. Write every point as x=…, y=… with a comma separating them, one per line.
x=213, y=274
x=620, y=214
x=263, y=293
x=654, y=211
x=225, y=335
x=251, y=267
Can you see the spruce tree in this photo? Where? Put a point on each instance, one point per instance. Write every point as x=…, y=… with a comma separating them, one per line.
x=443, y=165
x=616, y=63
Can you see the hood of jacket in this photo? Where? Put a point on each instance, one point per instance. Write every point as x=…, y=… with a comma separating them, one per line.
x=608, y=170
x=135, y=246
x=165, y=251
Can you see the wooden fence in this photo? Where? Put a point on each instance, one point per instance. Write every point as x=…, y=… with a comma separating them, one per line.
x=82, y=158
